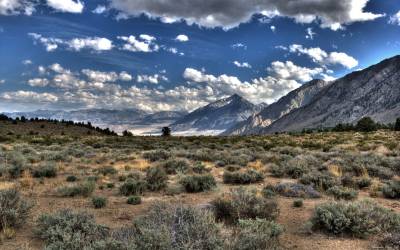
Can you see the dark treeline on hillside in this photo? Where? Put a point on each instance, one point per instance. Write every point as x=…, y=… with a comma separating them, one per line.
x=88, y=125
x=366, y=124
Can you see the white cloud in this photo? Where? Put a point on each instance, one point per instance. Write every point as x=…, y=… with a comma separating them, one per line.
x=182, y=38
x=242, y=65
x=322, y=57
x=29, y=97
x=228, y=14
x=2, y=81
x=154, y=79
x=289, y=71
x=27, y=62
x=16, y=7
x=273, y=28
x=95, y=43
x=395, y=19
x=75, y=44
x=239, y=46
x=310, y=34
x=100, y=9
x=99, y=76
x=69, y=6
x=144, y=43
x=38, y=82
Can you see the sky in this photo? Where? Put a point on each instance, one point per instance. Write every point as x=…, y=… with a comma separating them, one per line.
x=165, y=55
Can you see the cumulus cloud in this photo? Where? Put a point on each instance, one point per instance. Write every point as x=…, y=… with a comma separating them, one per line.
x=182, y=38
x=29, y=97
x=145, y=43
x=99, y=76
x=239, y=46
x=273, y=28
x=289, y=71
x=38, y=82
x=2, y=81
x=27, y=62
x=242, y=65
x=69, y=6
x=154, y=79
x=75, y=44
x=16, y=7
x=100, y=9
x=322, y=57
x=395, y=19
x=231, y=13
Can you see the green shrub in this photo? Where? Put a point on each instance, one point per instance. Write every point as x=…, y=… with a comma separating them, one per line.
x=156, y=155
x=133, y=187
x=99, y=202
x=296, y=190
x=319, y=180
x=156, y=178
x=391, y=240
x=48, y=170
x=14, y=210
x=343, y=193
x=364, y=183
x=176, y=227
x=69, y=230
x=366, y=124
x=268, y=191
x=84, y=189
x=247, y=177
x=298, y=203
x=134, y=200
x=108, y=170
x=359, y=219
x=244, y=204
x=199, y=168
x=71, y=178
x=257, y=234
x=392, y=190
x=174, y=166
x=198, y=183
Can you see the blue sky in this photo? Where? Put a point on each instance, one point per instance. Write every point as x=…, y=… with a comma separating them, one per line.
x=182, y=54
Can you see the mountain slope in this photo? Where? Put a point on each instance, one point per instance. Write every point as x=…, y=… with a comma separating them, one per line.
x=373, y=92
x=295, y=99
x=217, y=116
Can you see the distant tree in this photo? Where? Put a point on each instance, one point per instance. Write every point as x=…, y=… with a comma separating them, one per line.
x=4, y=117
x=23, y=119
x=366, y=124
x=166, y=131
x=397, y=125
x=126, y=133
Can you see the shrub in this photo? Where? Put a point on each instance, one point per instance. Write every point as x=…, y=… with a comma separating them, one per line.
x=298, y=203
x=248, y=177
x=176, y=227
x=198, y=183
x=392, y=190
x=48, y=170
x=397, y=125
x=133, y=187
x=257, y=234
x=364, y=183
x=244, y=204
x=343, y=193
x=174, y=166
x=71, y=178
x=156, y=178
x=268, y=191
x=391, y=241
x=69, y=230
x=82, y=189
x=320, y=180
x=99, y=202
x=199, y=168
x=108, y=170
x=156, y=155
x=134, y=200
x=16, y=164
x=296, y=190
x=13, y=209
x=359, y=219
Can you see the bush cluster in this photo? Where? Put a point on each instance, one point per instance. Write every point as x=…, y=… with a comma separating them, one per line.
x=296, y=190
x=244, y=204
x=392, y=190
x=343, y=193
x=156, y=155
x=84, y=189
x=48, y=170
x=13, y=209
x=359, y=219
x=156, y=178
x=174, y=166
x=134, y=200
x=198, y=183
x=99, y=202
x=247, y=177
x=133, y=187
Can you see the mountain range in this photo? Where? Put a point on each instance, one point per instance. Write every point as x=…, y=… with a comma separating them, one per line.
x=216, y=117
x=374, y=92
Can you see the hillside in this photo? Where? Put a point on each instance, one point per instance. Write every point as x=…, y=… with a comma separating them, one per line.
x=373, y=92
